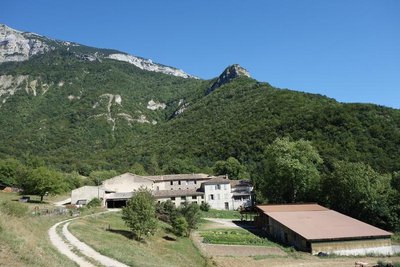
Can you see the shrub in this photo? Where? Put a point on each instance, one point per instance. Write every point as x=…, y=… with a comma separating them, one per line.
x=95, y=202
x=13, y=208
x=205, y=206
x=180, y=226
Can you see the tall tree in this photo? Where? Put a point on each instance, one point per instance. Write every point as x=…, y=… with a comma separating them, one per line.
x=9, y=170
x=140, y=213
x=359, y=191
x=232, y=168
x=42, y=181
x=290, y=172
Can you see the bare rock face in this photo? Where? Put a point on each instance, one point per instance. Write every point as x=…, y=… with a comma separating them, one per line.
x=147, y=64
x=19, y=46
x=228, y=75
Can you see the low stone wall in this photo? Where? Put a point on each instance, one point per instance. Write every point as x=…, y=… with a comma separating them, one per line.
x=380, y=246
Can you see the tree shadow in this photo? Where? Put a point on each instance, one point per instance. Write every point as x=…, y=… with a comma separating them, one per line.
x=125, y=233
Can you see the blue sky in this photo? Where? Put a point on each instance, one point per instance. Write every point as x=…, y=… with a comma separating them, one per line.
x=348, y=50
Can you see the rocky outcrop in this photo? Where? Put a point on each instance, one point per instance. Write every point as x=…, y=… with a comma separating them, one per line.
x=152, y=105
x=147, y=64
x=228, y=75
x=19, y=46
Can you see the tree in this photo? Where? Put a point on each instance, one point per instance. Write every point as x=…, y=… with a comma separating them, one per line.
x=97, y=177
x=9, y=170
x=191, y=212
x=140, y=213
x=42, y=181
x=359, y=191
x=180, y=226
x=290, y=172
x=138, y=169
x=232, y=168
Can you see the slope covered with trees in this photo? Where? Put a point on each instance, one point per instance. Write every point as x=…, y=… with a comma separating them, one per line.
x=79, y=116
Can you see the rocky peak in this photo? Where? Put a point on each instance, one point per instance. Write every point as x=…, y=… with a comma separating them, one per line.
x=19, y=46
x=230, y=73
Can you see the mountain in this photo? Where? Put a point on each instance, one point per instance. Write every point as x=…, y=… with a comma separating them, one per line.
x=20, y=46
x=83, y=108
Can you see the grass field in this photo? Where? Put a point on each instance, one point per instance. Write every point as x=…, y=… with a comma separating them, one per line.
x=23, y=237
x=221, y=214
x=108, y=234
x=234, y=237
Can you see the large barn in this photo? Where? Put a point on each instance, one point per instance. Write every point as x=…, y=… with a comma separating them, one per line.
x=313, y=228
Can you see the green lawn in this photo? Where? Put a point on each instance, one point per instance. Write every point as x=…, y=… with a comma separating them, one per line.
x=222, y=214
x=108, y=234
x=234, y=237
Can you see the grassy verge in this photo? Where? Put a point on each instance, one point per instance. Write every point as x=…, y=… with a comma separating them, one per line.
x=396, y=238
x=234, y=237
x=23, y=238
x=222, y=214
x=108, y=235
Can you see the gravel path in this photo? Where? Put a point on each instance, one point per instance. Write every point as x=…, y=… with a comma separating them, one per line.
x=66, y=248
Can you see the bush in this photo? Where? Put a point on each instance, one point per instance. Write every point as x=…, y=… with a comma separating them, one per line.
x=180, y=226
x=166, y=211
x=95, y=202
x=205, y=206
x=13, y=208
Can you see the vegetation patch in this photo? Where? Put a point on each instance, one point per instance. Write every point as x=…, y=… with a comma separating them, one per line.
x=13, y=208
x=221, y=214
x=234, y=237
x=108, y=234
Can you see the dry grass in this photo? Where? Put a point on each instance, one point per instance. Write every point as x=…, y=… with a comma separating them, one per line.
x=24, y=240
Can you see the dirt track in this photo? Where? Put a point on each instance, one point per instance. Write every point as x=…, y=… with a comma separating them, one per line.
x=72, y=243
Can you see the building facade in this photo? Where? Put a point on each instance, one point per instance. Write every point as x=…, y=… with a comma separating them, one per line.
x=180, y=188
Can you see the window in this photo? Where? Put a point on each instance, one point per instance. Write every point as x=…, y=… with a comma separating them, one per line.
x=183, y=197
x=194, y=197
x=195, y=182
x=225, y=186
x=202, y=196
x=171, y=183
x=179, y=182
x=172, y=198
x=217, y=186
x=211, y=197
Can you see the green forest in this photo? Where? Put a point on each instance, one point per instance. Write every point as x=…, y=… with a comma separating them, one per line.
x=294, y=146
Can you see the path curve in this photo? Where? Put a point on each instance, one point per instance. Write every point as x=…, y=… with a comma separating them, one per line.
x=66, y=248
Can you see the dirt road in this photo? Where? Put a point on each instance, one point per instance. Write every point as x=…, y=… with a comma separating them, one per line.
x=68, y=244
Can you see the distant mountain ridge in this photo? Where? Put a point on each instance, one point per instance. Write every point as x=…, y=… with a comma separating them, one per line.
x=20, y=46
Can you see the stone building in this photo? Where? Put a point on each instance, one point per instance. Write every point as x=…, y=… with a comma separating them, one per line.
x=179, y=188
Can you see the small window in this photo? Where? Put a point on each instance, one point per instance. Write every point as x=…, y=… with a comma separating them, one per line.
x=183, y=197
x=202, y=196
x=195, y=182
x=194, y=197
x=179, y=182
x=211, y=197
x=171, y=183
x=217, y=187
x=172, y=198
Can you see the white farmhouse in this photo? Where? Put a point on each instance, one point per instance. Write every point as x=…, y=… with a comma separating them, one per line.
x=218, y=191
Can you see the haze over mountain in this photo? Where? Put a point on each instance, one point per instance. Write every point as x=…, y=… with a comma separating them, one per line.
x=83, y=108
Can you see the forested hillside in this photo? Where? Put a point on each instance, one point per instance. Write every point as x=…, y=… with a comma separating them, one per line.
x=74, y=110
